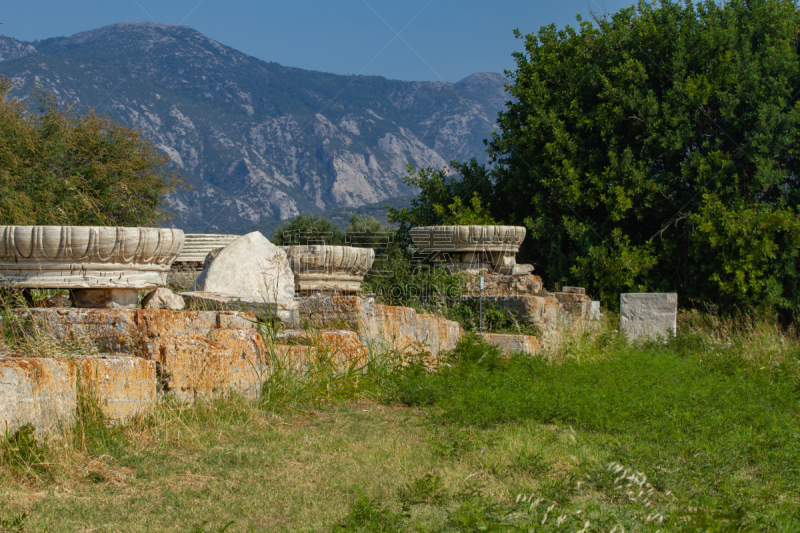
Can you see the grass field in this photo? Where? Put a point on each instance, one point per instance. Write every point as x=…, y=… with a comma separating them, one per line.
x=701, y=433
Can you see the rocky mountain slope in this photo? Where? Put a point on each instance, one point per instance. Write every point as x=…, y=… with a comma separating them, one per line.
x=258, y=141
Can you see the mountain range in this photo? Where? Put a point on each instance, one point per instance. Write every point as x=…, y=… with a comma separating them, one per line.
x=258, y=142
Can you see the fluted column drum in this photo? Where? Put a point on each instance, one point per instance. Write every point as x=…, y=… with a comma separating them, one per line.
x=87, y=257
x=329, y=269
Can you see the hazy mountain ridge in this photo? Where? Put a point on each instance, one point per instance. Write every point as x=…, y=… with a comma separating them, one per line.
x=257, y=140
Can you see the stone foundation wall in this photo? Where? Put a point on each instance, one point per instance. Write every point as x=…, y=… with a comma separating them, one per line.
x=383, y=326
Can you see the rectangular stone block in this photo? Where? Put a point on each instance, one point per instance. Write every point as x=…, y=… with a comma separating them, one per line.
x=383, y=327
x=648, y=315
x=574, y=304
x=218, y=363
x=510, y=344
x=123, y=386
x=540, y=310
x=36, y=391
x=594, y=311
x=197, y=353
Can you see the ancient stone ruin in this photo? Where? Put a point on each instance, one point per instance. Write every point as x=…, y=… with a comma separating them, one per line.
x=102, y=267
x=209, y=340
x=490, y=252
x=460, y=248
x=648, y=315
x=330, y=270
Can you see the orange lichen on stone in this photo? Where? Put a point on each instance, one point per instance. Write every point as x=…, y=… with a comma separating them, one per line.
x=40, y=392
x=510, y=344
x=122, y=386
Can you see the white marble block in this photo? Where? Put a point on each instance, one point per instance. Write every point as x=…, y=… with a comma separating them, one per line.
x=648, y=315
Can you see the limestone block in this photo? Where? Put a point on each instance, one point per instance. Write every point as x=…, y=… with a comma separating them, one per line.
x=123, y=386
x=106, y=298
x=383, y=327
x=594, y=311
x=342, y=348
x=405, y=330
x=163, y=298
x=220, y=362
x=250, y=267
x=574, y=304
x=511, y=344
x=505, y=285
x=434, y=239
x=541, y=310
x=197, y=353
x=87, y=257
x=41, y=392
x=574, y=290
x=648, y=315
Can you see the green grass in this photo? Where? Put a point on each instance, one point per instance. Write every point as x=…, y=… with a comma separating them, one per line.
x=699, y=433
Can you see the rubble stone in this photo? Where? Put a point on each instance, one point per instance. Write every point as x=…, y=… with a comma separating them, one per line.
x=163, y=298
x=106, y=298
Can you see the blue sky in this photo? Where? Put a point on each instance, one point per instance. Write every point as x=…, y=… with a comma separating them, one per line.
x=438, y=39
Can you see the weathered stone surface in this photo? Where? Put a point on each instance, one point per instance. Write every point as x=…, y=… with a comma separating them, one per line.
x=106, y=298
x=250, y=268
x=86, y=257
x=285, y=311
x=511, y=344
x=573, y=304
x=540, y=310
x=574, y=290
x=501, y=285
x=199, y=353
x=648, y=315
x=472, y=247
x=163, y=298
x=300, y=348
x=123, y=386
x=329, y=269
x=594, y=311
x=40, y=392
x=383, y=326
x=197, y=246
x=58, y=300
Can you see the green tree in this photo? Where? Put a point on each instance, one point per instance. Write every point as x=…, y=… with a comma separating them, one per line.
x=307, y=229
x=59, y=168
x=444, y=198
x=657, y=149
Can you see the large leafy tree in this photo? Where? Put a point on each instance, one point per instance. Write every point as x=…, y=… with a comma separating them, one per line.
x=61, y=168
x=657, y=149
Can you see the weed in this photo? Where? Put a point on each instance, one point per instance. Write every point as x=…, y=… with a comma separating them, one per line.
x=25, y=455
x=202, y=527
x=423, y=490
x=13, y=523
x=370, y=516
